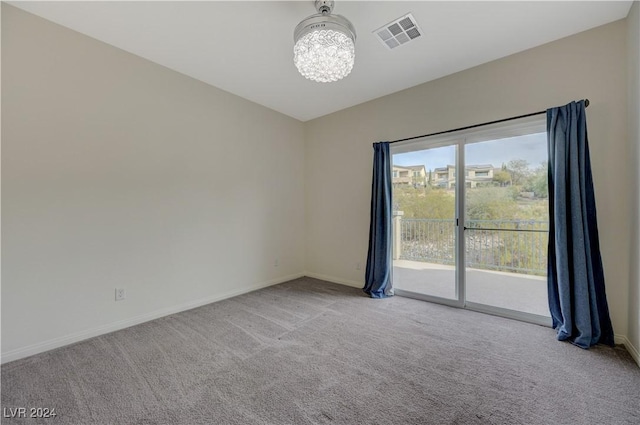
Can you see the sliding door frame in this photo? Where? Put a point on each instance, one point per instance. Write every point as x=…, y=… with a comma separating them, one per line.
x=460, y=139
x=452, y=139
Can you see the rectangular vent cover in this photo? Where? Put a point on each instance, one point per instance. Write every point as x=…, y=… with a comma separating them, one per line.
x=398, y=32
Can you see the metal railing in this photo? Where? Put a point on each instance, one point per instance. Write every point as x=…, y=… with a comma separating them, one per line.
x=518, y=246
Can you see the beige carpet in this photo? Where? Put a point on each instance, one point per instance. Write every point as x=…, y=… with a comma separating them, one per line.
x=311, y=352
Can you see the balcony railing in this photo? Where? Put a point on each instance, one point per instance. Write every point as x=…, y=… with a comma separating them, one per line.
x=518, y=246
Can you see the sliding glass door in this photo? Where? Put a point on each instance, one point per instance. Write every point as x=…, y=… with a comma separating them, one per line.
x=471, y=220
x=425, y=239
x=507, y=223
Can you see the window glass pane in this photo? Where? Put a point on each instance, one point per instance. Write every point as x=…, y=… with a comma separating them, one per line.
x=424, y=203
x=507, y=222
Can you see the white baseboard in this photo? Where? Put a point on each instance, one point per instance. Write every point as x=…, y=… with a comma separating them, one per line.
x=621, y=339
x=333, y=279
x=40, y=347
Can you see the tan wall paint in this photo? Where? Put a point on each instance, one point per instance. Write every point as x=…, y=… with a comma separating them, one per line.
x=117, y=172
x=587, y=65
x=633, y=49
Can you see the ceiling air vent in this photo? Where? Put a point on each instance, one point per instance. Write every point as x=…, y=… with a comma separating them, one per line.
x=398, y=32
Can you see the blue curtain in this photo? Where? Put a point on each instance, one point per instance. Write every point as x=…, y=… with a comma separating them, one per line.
x=577, y=298
x=379, y=265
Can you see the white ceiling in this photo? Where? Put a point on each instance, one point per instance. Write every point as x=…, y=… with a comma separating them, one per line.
x=246, y=48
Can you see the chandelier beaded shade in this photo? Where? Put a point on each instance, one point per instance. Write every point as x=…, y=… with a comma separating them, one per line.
x=324, y=49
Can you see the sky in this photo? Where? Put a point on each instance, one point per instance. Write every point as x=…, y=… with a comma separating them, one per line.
x=532, y=148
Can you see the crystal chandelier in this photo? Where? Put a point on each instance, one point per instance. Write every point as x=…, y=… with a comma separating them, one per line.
x=324, y=49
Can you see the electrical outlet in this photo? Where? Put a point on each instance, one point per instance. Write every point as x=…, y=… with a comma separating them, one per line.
x=358, y=266
x=120, y=294
x=276, y=263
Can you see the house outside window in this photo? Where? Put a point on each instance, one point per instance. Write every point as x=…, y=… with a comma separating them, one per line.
x=409, y=175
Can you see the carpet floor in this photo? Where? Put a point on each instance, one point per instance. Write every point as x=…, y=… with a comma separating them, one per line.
x=312, y=352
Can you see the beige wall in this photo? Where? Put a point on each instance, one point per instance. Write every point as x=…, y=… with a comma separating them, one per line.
x=633, y=48
x=339, y=154
x=117, y=172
